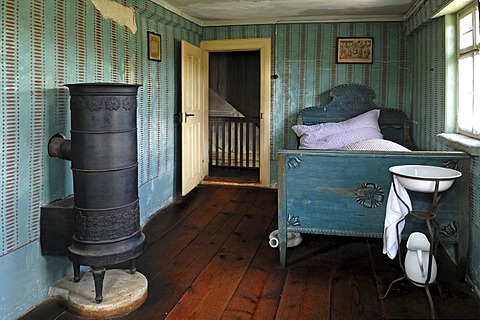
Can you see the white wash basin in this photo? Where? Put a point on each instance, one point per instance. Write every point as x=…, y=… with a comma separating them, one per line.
x=423, y=178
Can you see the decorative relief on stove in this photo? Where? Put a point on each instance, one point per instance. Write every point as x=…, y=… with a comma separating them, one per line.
x=108, y=103
x=369, y=195
x=293, y=162
x=87, y=103
x=112, y=103
x=107, y=225
x=129, y=104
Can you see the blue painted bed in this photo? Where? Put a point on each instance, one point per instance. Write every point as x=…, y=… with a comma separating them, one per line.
x=344, y=193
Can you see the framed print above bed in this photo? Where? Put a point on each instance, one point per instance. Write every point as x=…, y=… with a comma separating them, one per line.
x=355, y=50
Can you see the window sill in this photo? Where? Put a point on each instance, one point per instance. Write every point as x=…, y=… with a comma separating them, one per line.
x=460, y=142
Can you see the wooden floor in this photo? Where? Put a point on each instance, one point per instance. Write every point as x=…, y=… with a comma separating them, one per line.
x=207, y=257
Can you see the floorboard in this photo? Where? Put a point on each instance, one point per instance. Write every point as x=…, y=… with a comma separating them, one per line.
x=258, y=294
x=207, y=257
x=211, y=291
x=354, y=292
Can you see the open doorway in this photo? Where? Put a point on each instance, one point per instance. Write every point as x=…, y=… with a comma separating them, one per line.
x=262, y=47
x=234, y=116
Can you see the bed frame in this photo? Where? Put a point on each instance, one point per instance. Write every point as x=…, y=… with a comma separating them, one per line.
x=344, y=193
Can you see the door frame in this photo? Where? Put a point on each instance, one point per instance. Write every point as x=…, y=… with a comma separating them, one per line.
x=263, y=45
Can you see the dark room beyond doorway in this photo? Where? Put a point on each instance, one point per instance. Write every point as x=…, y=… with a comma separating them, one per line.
x=234, y=116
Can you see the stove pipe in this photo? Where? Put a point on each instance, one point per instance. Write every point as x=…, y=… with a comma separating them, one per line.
x=103, y=152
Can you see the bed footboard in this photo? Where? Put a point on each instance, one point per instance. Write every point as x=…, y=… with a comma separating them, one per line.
x=345, y=193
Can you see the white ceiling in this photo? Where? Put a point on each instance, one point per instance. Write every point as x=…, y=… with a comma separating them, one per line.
x=237, y=12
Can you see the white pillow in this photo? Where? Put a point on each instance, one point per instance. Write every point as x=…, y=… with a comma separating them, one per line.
x=333, y=135
x=375, y=145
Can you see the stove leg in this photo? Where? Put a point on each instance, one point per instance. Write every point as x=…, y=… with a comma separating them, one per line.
x=133, y=267
x=76, y=272
x=98, y=275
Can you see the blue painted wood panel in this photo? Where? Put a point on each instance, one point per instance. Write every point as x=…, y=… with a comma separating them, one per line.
x=345, y=193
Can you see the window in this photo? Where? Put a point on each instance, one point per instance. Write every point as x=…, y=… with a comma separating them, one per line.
x=468, y=40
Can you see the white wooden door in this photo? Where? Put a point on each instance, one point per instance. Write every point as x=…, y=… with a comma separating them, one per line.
x=193, y=118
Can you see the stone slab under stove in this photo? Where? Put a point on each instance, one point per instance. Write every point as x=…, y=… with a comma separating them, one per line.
x=123, y=293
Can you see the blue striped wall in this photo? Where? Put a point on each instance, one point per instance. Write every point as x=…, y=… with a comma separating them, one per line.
x=422, y=14
x=428, y=68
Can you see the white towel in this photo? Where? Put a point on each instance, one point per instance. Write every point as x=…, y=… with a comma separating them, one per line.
x=396, y=211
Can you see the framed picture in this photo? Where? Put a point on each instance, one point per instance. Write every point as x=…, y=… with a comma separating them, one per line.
x=355, y=50
x=154, y=46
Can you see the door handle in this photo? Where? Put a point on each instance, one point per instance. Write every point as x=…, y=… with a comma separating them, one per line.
x=188, y=115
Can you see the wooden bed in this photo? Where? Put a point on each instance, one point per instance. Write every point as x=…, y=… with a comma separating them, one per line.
x=344, y=193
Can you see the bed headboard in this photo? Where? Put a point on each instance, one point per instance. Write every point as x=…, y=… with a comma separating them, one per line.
x=350, y=100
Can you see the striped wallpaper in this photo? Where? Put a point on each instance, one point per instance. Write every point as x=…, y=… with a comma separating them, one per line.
x=421, y=16
x=428, y=68
x=47, y=43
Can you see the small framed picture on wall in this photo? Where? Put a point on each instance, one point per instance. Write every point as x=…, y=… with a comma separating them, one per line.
x=355, y=50
x=154, y=46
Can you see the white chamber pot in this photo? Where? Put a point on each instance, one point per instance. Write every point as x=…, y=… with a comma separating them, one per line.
x=293, y=239
x=417, y=259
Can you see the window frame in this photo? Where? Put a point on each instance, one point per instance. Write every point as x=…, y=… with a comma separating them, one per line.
x=471, y=51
